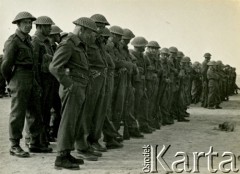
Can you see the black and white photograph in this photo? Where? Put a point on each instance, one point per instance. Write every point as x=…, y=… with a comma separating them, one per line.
x=119, y=86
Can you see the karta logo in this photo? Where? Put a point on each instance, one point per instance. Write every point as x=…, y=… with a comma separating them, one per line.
x=154, y=159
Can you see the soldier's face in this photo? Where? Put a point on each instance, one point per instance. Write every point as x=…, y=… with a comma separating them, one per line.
x=152, y=50
x=57, y=38
x=163, y=56
x=88, y=36
x=140, y=49
x=46, y=29
x=126, y=41
x=25, y=25
x=116, y=38
x=173, y=54
x=100, y=27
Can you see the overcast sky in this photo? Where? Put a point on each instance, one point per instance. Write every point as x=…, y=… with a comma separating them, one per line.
x=193, y=26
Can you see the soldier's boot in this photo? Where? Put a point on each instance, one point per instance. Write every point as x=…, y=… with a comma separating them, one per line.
x=181, y=118
x=36, y=147
x=66, y=162
x=16, y=150
x=112, y=144
x=218, y=107
x=145, y=129
x=98, y=147
x=135, y=133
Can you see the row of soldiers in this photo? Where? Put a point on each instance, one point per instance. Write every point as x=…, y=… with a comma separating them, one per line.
x=212, y=82
x=77, y=86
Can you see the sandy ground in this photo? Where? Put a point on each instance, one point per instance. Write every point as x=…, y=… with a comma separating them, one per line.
x=196, y=136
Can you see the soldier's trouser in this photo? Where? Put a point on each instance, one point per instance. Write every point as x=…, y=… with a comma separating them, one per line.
x=109, y=131
x=141, y=105
x=92, y=113
x=164, y=104
x=212, y=96
x=182, y=103
x=152, y=91
x=171, y=96
x=2, y=84
x=56, y=114
x=47, y=84
x=129, y=117
x=120, y=84
x=195, y=91
x=130, y=122
x=73, y=99
x=25, y=100
x=205, y=94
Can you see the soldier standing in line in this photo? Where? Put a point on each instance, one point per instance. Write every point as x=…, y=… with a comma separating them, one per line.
x=225, y=86
x=55, y=38
x=131, y=125
x=164, y=88
x=111, y=135
x=183, y=85
x=213, y=92
x=141, y=98
x=70, y=67
x=88, y=144
x=43, y=52
x=188, y=84
x=205, y=80
x=221, y=81
x=19, y=68
x=152, y=80
x=174, y=87
x=120, y=80
x=196, y=82
x=120, y=75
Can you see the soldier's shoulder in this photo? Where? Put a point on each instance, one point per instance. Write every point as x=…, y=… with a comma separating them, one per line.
x=12, y=40
x=66, y=43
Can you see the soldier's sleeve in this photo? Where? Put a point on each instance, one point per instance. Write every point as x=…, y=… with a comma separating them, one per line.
x=60, y=59
x=118, y=62
x=10, y=51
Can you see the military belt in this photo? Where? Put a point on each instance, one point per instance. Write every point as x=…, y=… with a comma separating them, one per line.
x=95, y=72
x=78, y=74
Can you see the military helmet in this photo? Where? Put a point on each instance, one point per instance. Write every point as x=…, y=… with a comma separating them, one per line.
x=180, y=54
x=106, y=32
x=211, y=63
x=173, y=50
x=139, y=42
x=195, y=64
x=127, y=34
x=219, y=62
x=153, y=44
x=23, y=15
x=164, y=50
x=185, y=59
x=55, y=30
x=86, y=22
x=63, y=34
x=207, y=55
x=116, y=30
x=188, y=58
x=44, y=20
x=99, y=19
